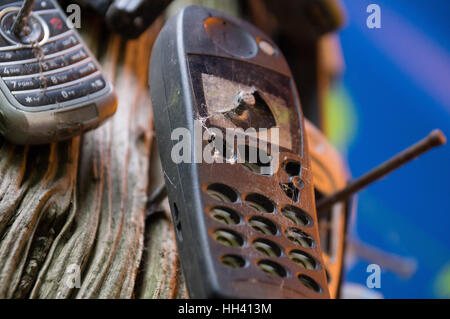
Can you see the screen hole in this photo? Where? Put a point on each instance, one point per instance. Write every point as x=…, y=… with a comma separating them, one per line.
x=225, y=215
x=296, y=215
x=291, y=191
x=260, y=203
x=228, y=238
x=272, y=268
x=267, y=247
x=309, y=283
x=256, y=160
x=263, y=225
x=300, y=238
x=233, y=261
x=222, y=193
x=292, y=168
x=303, y=260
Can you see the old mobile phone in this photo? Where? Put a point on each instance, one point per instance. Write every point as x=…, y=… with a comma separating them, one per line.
x=51, y=86
x=246, y=227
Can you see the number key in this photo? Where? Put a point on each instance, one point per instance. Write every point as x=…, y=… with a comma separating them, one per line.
x=23, y=84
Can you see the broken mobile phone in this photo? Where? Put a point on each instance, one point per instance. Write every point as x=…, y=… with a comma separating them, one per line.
x=236, y=161
x=51, y=85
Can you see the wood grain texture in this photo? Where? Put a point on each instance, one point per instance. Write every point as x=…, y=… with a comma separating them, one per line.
x=161, y=275
x=81, y=202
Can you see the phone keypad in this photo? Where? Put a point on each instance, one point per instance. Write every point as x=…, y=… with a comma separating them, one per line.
x=59, y=71
x=53, y=79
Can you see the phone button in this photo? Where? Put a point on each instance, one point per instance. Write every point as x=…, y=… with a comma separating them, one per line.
x=76, y=56
x=95, y=84
x=59, y=78
x=77, y=90
x=6, y=56
x=67, y=93
x=16, y=55
x=84, y=70
x=34, y=99
x=23, y=54
x=72, y=75
x=60, y=45
x=23, y=84
x=19, y=69
x=49, y=65
x=56, y=23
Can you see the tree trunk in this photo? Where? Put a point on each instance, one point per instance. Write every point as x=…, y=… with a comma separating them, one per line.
x=78, y=206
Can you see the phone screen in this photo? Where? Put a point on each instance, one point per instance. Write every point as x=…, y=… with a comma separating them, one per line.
x=235, y=94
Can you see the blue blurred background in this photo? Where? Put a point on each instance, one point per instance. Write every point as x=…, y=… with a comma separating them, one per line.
x=395, y=90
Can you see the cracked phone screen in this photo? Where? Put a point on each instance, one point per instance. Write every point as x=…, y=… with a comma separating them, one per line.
x=234, y=105
x=235, y=94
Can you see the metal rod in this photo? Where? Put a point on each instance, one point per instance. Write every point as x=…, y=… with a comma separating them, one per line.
x=434, y=139
x=22, y=17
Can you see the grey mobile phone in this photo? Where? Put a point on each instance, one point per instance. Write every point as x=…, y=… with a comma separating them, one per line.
x=51, y=86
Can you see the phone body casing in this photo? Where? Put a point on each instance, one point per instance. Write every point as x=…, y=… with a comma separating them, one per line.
x=200, y=61
x=75, y=96
x=330, y=174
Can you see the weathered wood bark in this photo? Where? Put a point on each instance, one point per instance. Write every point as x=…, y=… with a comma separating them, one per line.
x=161, y=275
x=81, y=203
